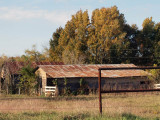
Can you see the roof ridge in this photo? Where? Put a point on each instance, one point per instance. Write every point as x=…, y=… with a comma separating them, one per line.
x=86, y=64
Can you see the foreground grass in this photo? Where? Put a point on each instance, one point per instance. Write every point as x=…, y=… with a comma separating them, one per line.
x=136, y=106
x=56, y=116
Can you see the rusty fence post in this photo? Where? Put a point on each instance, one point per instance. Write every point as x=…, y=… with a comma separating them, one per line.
x=121, y=68
x=99, y=91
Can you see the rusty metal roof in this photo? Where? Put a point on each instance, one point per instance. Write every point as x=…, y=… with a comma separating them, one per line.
x=15, y=66
x=62, y=71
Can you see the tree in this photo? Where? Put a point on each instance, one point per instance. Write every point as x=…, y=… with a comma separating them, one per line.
x=73, y=40
x=130, y=50
x=157, y=44
x=155, y=75
x=54, y=43
x=106, y=38
x=33, y=54
x=146, y=42
x=27, y=81
x=109, y=24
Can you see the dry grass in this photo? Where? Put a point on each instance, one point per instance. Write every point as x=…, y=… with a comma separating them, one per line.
x=141, y=104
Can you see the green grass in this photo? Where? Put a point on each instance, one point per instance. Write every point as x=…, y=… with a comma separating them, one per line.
x=65, y=116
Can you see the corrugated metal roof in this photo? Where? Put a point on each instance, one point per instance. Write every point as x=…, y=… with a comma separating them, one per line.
x=61, y=71
x=15, y=66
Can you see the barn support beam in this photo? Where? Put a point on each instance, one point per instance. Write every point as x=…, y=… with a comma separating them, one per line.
x=0, y=85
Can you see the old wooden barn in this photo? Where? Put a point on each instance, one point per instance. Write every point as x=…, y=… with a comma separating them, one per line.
x=117, y=79
x=10, y=73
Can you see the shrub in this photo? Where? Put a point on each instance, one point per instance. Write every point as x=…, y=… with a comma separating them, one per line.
x=67, y=90
x=83, y=87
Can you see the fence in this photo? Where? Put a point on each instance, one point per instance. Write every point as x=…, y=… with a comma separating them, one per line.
x=157, y=86
x=50, y=90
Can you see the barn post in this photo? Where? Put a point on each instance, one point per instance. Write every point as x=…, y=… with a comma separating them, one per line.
x=99, y=91
x=0, y=85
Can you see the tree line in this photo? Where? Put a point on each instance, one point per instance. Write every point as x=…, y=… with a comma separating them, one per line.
x=105, y=38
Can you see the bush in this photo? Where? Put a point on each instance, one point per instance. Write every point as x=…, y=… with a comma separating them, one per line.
x=67, y=90
x=83, y=87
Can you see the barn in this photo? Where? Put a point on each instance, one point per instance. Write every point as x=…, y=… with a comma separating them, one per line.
x=111, y=80
x=10, y=73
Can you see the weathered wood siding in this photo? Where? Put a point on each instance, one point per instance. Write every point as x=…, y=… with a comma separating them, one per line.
x=107, y=83
x=42, y=75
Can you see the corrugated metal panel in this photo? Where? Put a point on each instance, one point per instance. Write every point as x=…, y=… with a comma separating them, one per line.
x=61, y=71
x=14, y=66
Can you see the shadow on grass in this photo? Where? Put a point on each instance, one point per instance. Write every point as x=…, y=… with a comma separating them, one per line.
x=76, y=117
x=129, y=116
x=35, y=114
x=67, y=98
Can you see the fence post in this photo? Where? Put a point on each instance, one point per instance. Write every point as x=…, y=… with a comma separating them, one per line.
x=120, y=68
x=99, y=91
x=0, y=86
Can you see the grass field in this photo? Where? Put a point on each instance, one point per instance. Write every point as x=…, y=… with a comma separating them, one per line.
x=139, y=106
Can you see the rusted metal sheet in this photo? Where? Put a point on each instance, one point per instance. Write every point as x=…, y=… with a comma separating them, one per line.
x=61, y=71
x=129, y=68
x=14, y=66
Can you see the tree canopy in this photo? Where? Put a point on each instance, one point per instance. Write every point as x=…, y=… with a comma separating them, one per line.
x=105, y=38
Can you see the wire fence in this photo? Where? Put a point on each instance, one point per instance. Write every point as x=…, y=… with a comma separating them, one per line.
x=155, y=102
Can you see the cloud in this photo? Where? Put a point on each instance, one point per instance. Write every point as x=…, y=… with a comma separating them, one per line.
x=102, y=1
x=60, y=0
x=18, y=14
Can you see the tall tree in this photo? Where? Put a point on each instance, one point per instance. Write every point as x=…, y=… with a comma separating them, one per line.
x=74, y=39
x=130, y=51
x=109, y=25
x=157, y=44
x=147, y=41
x=54, y=43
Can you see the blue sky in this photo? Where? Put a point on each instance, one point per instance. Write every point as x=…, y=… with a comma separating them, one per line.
x=27, y=22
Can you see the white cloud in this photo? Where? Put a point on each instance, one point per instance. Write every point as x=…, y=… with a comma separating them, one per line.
x=18, y=14
x=102, y=1
x=60, y=0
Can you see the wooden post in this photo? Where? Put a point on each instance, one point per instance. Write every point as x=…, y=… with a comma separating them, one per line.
x=99, y=89
x=19, y=90
x=0, y=85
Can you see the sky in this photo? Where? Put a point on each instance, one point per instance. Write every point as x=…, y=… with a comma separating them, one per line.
x=24, y=23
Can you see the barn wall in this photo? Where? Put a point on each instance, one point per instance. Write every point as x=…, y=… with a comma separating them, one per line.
x=107, y=83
